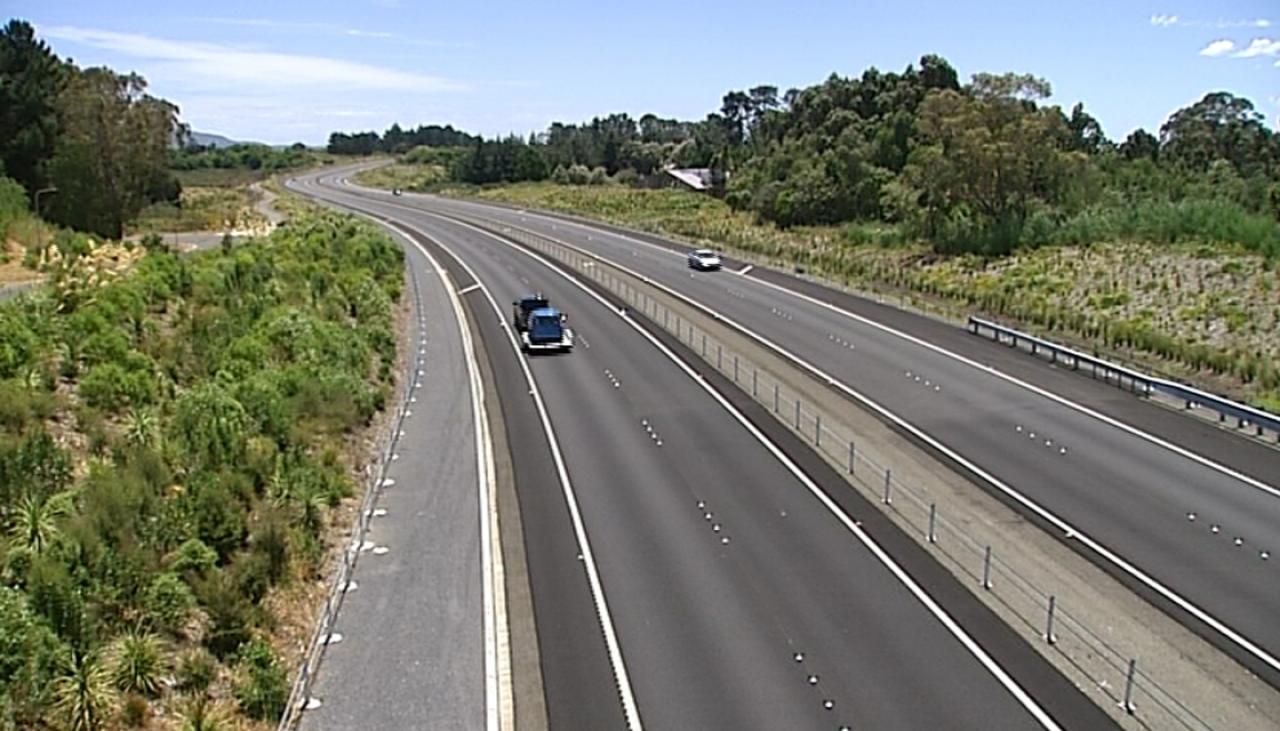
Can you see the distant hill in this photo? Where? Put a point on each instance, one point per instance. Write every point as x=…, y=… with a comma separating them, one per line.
x=207, y=139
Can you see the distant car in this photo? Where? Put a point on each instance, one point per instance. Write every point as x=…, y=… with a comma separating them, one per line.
x=704, y=259
x=395, y=191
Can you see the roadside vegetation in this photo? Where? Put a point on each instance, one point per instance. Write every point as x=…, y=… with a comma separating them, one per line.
x=201, y=209
x=220, y=187
x=177, y=434
x=420, y=169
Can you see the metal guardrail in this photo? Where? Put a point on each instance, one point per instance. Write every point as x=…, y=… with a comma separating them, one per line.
x=1137, y=382
x=299, y=694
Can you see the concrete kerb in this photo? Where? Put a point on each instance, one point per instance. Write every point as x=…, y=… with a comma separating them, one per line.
x=1223, y=694
x=299, y=698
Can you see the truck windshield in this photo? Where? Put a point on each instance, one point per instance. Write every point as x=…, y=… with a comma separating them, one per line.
x=546, y=324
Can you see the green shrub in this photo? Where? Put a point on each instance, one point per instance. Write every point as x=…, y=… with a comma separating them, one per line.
x=82, y=693
x=196, y=671
x=229, y=612
x=13, y=203
x=217, y=515
x=20, y=405
x=18, y=344
x=262, y=688
x=137, y=662
x=111, y=387
x=194, y=558
x=29, y=657
x=169, y=602
x=269, y=543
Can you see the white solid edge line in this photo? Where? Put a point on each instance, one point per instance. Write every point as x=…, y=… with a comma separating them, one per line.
x=498, y=700
x=499, y=709
x=1081, y=408
x=1000, y=674
x=621, y=678
x=1067, y=529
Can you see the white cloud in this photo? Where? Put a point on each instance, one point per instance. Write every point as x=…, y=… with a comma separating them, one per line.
x=309, y=28
x=251, y=69
x=1167, y=21
x=295, y=25
x=1253, y=23
x=1260, y=47
x=1220, y=47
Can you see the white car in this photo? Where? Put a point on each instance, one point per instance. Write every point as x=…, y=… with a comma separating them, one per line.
x=704, y=259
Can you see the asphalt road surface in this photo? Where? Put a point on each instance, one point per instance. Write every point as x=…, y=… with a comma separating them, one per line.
x=411, y=654
x=1199, y=519
x=739, y=599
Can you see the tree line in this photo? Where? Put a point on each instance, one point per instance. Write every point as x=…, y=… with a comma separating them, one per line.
x=983, y=166
x=248, y=156
x=93, y=134
x=396, y=140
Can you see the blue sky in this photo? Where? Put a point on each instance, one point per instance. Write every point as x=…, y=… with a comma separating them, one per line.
x=288, y=70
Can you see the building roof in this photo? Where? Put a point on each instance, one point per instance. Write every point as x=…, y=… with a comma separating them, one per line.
x=696, y=178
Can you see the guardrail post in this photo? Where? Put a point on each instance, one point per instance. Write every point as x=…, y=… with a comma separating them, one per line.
x=853, y=456
x=704, y=345
x=719, y=356
x=986, y=569
x=1128, y=687
x=797, y=413
x=775, y=397
x=754, y=377
x=817, y=430
x=1048, y=631
x=735, y=369
x=933, y=522
x=888, y=486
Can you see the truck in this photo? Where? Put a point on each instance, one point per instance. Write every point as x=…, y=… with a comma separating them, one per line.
x=546, y=331
x=521, y=308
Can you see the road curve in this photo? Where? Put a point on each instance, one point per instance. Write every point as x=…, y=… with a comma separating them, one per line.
x=1199, y=532
x=761, y=630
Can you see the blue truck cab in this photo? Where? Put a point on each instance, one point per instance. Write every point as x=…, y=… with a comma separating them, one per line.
x=546, y=331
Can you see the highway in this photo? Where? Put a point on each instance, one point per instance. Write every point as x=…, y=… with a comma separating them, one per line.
x=687, y=567
x=1177, y=507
